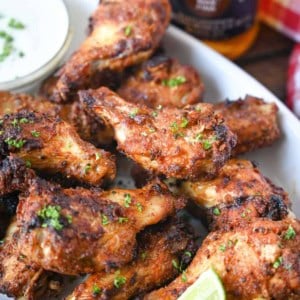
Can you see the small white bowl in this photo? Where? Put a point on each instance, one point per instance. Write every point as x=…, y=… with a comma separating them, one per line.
x=48, y=33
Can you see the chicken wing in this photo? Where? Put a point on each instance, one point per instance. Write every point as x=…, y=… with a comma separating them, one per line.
x=180, y=143
x=257, y=261
x=123, y=33
x=253, y=121
x=163, y=81
x=159, y=252
x=18, y=278
x=75, y=231
x=51, y=145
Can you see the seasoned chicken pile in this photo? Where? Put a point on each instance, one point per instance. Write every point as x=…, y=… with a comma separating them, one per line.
x=65, y=209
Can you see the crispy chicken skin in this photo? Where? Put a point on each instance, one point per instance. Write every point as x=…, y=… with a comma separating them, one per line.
x=17, y=278
x=252, y=120
x=182, y=143
x=163, y=81
x=123, y=33
x=260, y=260
x=151, y=268
x=52, y=145
x=76, y=231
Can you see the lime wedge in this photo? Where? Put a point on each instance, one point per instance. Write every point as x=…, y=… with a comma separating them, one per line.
x=207, y=287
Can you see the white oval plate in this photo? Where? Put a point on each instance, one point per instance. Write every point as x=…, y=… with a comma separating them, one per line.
x=223, y=79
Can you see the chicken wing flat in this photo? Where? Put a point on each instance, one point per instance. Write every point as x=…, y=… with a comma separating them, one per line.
x=157, y=252
x=252, y=120
x=123, y=33
x=180, y=143
x=75, y=231
x=18, y=278
x=52, y=145
x=163, y=81
x=258, y=261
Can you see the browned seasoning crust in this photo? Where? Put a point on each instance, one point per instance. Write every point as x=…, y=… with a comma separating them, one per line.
x=182, y=143
x=163, y=81
x=151, y=268
x=260, y=260
x=253, y=121
x=93, y=229
x=49, y=144
x=122, y=33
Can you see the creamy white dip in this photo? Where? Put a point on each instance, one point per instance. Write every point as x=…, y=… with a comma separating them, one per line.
x=46, y=26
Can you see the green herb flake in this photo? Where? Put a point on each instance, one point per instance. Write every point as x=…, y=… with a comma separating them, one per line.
x=188, y=253
x=15, y=143
x=139, y=207
x=127, y=200
x=98, y=156
x=174, y=127
x=119, y=280
x=24, y=121
x=154, y=114
x=199, y=137
x=290, y=233
x=70, y=219
x=128, y=30
x=15, y=122
x=174, y=82
x=144, y=255
x=152, y=130
x=96, y=290
x=183, y=276
x=28, y=163
x=104, y=220
x=207, y=144
x=222, y=248
x=122, y=220
x=184, y=122
x=35, y=133
x=278, y=262
x=50, y=216
x=133, y=113
x=216, y=211
x=13, y=23
x=175, y=264
x=87, y=168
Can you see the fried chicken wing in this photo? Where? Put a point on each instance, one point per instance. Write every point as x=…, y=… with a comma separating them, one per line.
x=257, y=261
x=52, y=145
x=123, y=33
x=180, y=143
x=153, y=266
x=18, y=278
x=163, y=81
x=75, y=231
x=253, y=121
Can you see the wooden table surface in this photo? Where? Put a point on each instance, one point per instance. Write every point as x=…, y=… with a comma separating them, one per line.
x=267, y=60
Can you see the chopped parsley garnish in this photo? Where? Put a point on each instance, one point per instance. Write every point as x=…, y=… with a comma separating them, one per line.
x=154, y=114
x=15, y=143
x=188, y=253
x=119, y=280
x=216, y=211
x=87, y=168
x=98, y=156
x=28, y=163
x=13, y=23
x=96, y=290
x=70, y=219
x=290, y=233
x=35, y=133
x=14, y=122
x=199, y=137
x=152, y=130
x=277, y=263
x=139, y=207
x=50, y=216
x=104, y=220
x=24, y=121
x=133, y=113
x=222, y=248
x=184, y=123
x=175, y=264
x=6, y=51
x=122, y=220
x=128, y=30
x=175, y=129
x=207, y=144
x=184, y=277
x=144, y=255
x=127, y=200
x=173, y=82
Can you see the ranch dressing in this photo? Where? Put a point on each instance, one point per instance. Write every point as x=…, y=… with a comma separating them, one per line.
x=38, y=29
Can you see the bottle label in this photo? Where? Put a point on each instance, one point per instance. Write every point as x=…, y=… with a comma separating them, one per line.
x=214, y=19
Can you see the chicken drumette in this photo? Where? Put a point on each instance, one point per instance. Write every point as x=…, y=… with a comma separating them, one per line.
x=257, y=261
x=182, y=143
x=75, y=231
x=122, y=33
x=160, y=251
x=163, y=81
x=52, y=145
